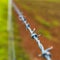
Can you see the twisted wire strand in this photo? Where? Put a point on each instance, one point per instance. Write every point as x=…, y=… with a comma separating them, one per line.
x=45, y=53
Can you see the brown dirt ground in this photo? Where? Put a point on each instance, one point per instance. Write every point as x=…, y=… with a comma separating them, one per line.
x=30, y=45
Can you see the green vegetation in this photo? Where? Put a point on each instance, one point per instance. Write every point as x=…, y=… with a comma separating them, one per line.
x=3, y=30
x=55, y=23
x=42, y=21
x=45, y=33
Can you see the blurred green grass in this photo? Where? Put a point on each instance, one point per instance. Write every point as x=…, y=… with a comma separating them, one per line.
x=45, y=33
x=42, y=21
x=3, y=30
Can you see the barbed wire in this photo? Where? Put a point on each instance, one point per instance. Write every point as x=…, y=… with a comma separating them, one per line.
x=45, y=52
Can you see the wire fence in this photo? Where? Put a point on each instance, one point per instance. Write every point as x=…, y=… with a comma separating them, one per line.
x=45, y=52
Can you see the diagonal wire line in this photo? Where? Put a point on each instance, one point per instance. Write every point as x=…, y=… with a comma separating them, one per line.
x=45, y=53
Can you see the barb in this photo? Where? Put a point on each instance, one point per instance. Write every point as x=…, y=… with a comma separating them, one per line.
x=45, y=53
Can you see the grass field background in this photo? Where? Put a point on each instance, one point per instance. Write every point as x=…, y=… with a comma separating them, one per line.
x=3, y=30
